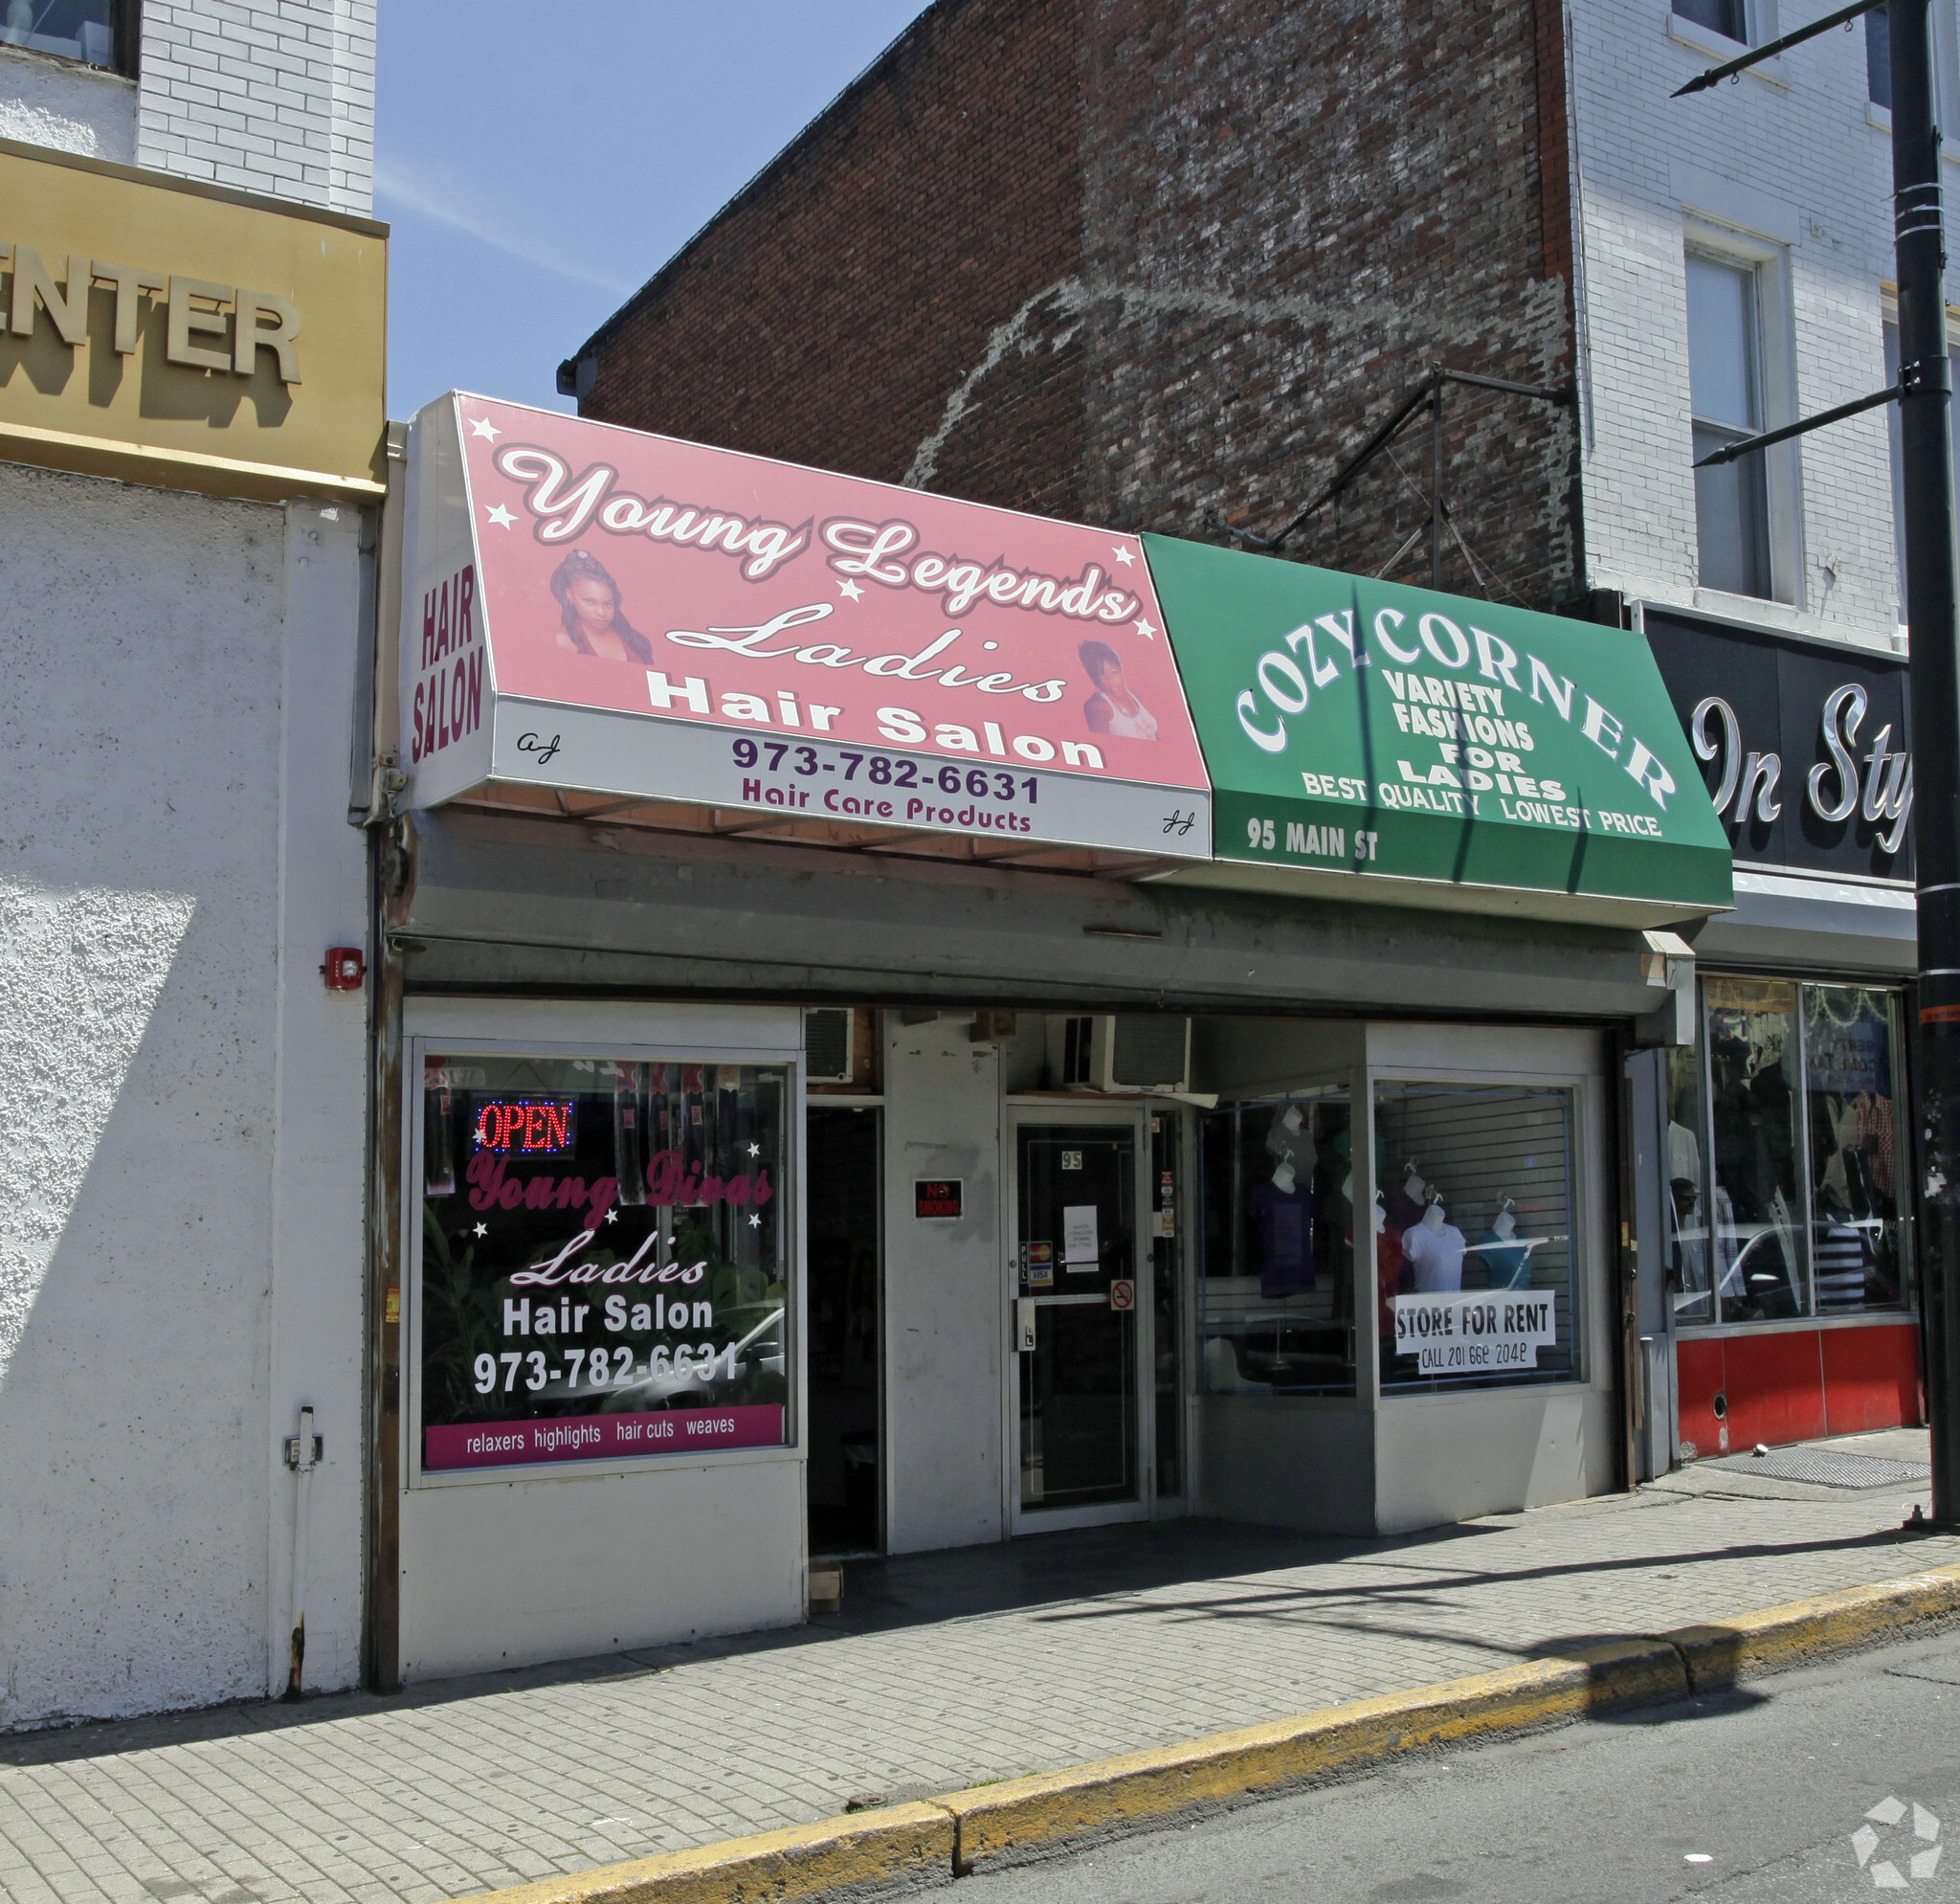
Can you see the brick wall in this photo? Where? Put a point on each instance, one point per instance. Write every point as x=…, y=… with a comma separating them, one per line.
x=1138, y=260
x=273, y=95
x=832, y=311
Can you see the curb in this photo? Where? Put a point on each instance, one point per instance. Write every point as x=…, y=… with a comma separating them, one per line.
x=902, y=1847
x=887, y=1849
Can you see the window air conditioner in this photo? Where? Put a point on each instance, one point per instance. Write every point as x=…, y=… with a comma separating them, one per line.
x=827, y=1044
x=1127, y=1051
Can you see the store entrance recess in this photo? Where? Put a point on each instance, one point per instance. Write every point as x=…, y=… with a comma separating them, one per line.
x=841, y=1150
x=1081, y=1305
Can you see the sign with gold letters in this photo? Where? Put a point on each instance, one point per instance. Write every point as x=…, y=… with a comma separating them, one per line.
x=185, y=335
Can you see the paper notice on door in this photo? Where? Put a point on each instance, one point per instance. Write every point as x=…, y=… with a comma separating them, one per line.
x=1078, y=1246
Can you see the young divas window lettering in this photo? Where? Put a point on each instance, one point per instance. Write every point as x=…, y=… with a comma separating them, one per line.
x=603, y=1264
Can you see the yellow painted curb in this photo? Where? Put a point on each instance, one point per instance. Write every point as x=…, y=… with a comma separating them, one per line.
x=927, y=1843
x=998, y=1821
x=1774, y=1638
x=891, y=1846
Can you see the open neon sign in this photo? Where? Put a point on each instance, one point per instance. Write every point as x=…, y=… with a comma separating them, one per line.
x=531, y=1126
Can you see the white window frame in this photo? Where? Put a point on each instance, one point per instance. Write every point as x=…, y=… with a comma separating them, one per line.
x=1761, y=23
x=1946, y=83
x=1776, y=344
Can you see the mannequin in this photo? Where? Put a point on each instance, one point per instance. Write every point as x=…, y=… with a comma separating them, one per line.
x=1436, y=1248
x=1281, y=1214
x=1507, y=1262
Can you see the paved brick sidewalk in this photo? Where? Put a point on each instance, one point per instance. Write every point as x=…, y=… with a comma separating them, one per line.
x=943, y=1670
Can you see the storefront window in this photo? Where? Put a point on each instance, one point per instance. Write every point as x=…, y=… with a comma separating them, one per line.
x=603, y=1266
x=1277, y=1289
x=1759, y=1268
x=1849, y=1035
x=1690, y=1279
x=1785, y=1072
x=1472, y=1220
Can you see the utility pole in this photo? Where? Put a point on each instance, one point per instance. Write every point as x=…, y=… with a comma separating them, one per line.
x=1924, y=394
x=1926, y=429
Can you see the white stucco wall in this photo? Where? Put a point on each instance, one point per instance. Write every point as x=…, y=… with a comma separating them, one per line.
x=175, y=1266
x=67, y=106
x=1790, y=163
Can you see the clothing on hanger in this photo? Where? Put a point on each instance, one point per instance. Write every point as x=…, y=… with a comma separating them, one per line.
x=1391, y=1278
x=1435, y=1253
x=1284, y=1220
x=1507, y=1264
x=1875, y=1127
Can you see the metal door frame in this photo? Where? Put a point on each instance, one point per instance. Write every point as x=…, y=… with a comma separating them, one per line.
x=1129, y=1114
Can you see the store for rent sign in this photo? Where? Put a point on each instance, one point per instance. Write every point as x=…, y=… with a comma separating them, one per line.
x=1482, y=1331
x=678, y=622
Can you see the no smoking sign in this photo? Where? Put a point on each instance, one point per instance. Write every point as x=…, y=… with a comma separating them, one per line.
x=1123, y=1293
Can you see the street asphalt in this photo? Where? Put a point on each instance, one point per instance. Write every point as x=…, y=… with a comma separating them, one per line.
x=1752, y=1799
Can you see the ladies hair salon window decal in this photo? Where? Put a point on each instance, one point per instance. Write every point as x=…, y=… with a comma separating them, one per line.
x=603, y=1259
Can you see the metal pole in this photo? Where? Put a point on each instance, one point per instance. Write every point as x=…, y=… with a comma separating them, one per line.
x=1925, y=431
x=1435, y=487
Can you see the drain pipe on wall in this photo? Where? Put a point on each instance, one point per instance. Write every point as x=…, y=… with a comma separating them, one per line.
x=303, y=1457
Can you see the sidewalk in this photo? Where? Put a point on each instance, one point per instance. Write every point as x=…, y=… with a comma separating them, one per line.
x=943, y=1670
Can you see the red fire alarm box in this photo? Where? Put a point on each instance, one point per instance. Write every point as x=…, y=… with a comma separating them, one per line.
x=346, y=968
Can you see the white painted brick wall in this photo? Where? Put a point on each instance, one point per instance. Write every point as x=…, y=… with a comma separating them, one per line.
x=1795, y=152
x=273, y=95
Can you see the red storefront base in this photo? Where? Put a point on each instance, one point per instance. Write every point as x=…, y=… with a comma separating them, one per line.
x=1795, y=1385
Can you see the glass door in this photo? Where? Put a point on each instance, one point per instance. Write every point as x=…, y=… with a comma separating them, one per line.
x=1080, y=1296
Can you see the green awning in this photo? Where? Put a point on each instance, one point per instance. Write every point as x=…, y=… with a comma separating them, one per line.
x=1390, y=744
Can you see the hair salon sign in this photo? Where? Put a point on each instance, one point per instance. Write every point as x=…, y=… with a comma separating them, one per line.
x=605, y=611
x=1805, y=746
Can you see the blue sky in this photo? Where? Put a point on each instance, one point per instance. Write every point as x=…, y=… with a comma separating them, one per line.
x=539, y=160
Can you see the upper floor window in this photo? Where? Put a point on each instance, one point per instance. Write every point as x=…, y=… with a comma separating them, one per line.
x=1726, y=18
x=1877, y=58
x=99, y=32
x=1725, y=393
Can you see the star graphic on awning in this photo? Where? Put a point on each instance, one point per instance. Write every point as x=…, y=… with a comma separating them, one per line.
x=849, y=589
x=1123, y=554
x=755, y=1222
x=500, y=516
x=612, y=1216
x=1146, y=629
x=481, y=1229
x=755, y=1150
x=484, y=428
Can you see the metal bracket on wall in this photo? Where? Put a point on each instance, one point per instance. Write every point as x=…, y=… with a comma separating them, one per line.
x=1426, y=395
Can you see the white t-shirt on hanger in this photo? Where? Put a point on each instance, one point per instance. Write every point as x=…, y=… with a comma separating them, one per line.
x=1437, y=1257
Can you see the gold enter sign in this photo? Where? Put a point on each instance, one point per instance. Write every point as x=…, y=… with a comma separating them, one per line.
x=243, y=354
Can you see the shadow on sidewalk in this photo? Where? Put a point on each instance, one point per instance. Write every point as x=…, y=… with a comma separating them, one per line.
x=1093, y=1574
